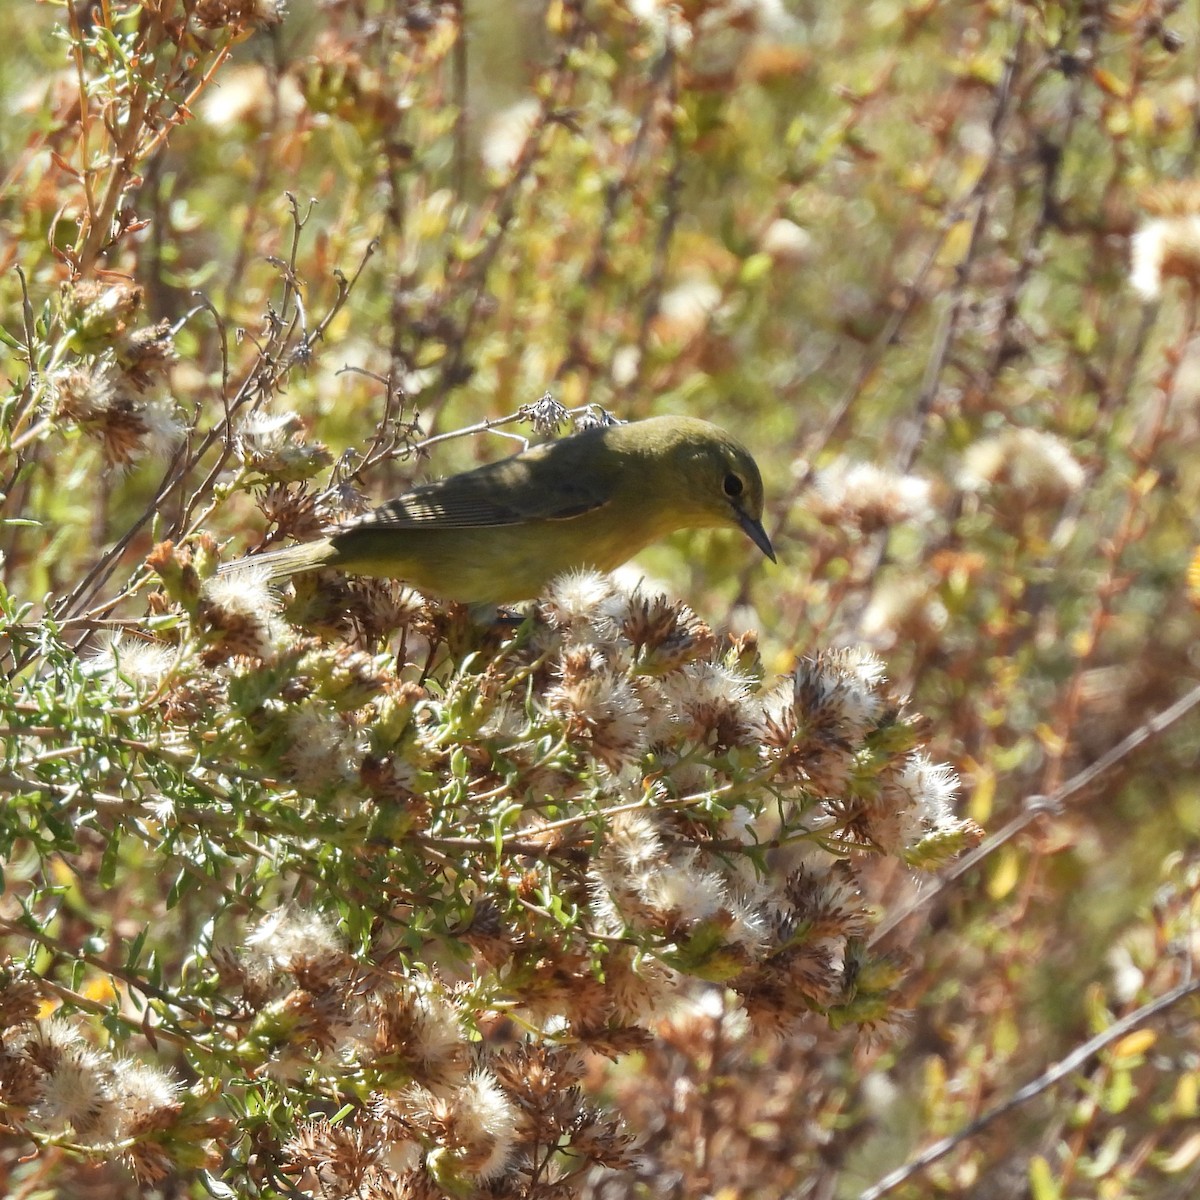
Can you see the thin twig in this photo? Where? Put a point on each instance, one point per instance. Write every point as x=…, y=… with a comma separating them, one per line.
x=1038, y=805
x=1046, y=1080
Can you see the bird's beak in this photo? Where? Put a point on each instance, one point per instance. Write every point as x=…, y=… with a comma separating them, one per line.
x=756, y=533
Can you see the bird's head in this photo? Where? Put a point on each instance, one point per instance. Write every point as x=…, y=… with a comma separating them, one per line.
x=713, y=479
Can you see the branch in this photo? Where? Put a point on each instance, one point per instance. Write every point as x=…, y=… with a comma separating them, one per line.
x=1046, y=1080
x=1036, y=806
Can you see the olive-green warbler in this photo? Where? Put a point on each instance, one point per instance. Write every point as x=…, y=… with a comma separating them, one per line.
x=499, y=533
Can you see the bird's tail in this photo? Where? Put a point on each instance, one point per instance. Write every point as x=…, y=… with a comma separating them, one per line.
x=280, y=564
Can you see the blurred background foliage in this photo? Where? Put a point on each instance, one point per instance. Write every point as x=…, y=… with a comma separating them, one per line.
x=935, y=263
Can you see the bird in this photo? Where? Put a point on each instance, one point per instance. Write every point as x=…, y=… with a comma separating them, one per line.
x=499, y=533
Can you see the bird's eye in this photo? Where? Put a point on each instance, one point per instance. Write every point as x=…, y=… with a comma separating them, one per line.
x=733, y=486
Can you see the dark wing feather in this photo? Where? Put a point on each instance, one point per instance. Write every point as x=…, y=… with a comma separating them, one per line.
x=505, y=493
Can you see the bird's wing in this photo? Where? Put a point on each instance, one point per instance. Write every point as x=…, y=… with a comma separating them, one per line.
x=506, y=493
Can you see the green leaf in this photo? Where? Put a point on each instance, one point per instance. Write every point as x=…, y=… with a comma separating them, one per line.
x=1042, y=1183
